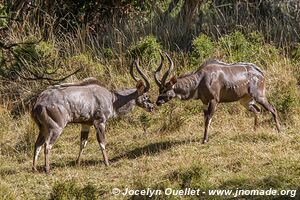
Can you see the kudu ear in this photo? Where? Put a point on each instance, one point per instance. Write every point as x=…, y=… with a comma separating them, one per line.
x=140, y=87
x=173, y=80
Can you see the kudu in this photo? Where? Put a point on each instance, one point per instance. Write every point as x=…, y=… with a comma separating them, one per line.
x=217, y=82
x=86, y=103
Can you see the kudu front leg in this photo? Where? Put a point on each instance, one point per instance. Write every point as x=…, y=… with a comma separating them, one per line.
x=100, y=131
x=85, y=129
x=208, y=114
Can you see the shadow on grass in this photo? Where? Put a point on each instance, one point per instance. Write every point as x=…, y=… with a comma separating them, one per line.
x=149, y=149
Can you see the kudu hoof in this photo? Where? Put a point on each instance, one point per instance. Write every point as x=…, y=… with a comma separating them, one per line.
x=34, y=170
x=47, y=170
x=204, y=141
x=77, y=163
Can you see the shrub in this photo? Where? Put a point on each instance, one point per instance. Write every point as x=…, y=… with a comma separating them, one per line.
x=145, y=120
x=69, y=190
x=3, y=20
x=238, y=47
x=108, y=53
x=203, y=48
x=195, y=176
x=147, y=49
x=296, y=52
x=172, y=118
x=287, y=100
x=90, y=67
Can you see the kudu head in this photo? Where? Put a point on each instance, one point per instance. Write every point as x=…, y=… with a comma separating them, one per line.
x=166, y=89
x=143, y=99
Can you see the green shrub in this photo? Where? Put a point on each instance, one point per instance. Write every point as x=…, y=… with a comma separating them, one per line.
x=3, y=14
x=296, y=52
x=69, y=190
x=238, y=47
x=108, y=53
x=90, y=67
x=195, y=176
x=145, y=120
x=172, y=118
x=147, y=49
x=203, y=48
x=34, y=57
x=287, y=100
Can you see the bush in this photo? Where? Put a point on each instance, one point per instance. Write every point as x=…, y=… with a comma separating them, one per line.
x=203, y=48
x=90, y=67
x=195, y=176
x=69, y=190
x=145, y=120
x=296, y=52
x=3, y=21
x=147, y=49
x=172, y=118
x=239, y=48
x=287, y=100
x=108, y=53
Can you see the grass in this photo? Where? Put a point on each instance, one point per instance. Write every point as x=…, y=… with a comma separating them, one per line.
x=235, y=157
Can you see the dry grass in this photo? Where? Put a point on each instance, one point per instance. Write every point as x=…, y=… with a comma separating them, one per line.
x=235, y=156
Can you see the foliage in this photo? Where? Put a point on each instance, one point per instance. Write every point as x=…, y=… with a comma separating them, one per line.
x=203, y=48
x=32, y=58
x=108, y=53
x=147, y=49
x=4, y=16
x=296, y=52
x=193, y=177
x=89, y=65
x=69, y=190
x=287, y=100
x=145, y=120
x=236, y=47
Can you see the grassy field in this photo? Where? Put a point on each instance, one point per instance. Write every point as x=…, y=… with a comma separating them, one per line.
x=167, y=155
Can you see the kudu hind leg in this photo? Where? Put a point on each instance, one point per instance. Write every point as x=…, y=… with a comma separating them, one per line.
x=54, y=133
x=255, y=109
x=37, y=148
x=269, y=107
x=100, y=131
x=208, y=114
x=83, y=141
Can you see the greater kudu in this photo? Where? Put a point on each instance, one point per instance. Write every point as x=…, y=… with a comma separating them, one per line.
x=86, y=103
x=216, y=82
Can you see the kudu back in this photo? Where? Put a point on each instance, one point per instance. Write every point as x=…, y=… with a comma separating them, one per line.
x=217, y=82
x=87, y=103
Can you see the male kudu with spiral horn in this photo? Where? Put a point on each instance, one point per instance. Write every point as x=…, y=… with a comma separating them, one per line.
x=217, y=82
x=86, y=103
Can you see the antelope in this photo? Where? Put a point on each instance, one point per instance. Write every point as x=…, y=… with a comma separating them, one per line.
x=217, y=82
x=86, y=103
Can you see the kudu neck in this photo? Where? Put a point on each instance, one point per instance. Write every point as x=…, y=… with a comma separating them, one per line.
x=186, y=86
x=125, y=101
